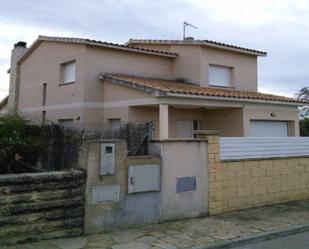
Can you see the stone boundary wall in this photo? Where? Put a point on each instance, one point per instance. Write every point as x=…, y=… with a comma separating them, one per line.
x=247, y=183
x=36, y=206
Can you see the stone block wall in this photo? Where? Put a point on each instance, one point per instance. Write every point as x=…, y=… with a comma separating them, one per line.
x=242, y=184
x=41, y=206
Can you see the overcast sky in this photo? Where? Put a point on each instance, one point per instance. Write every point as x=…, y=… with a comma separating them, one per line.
x=279, y=27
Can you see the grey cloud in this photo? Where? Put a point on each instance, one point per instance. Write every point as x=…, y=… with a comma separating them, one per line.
x=286, y=39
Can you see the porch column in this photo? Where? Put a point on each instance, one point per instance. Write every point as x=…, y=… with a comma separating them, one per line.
x=163, y=121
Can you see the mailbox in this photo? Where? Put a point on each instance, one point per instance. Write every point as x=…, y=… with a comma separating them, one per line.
x=107, y=159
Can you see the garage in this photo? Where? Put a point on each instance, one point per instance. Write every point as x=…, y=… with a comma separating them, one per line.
x=260, y=128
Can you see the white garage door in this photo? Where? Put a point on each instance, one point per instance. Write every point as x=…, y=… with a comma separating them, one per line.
x=268, y=129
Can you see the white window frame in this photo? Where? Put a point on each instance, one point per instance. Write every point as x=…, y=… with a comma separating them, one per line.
x=220, y=75
x=66, y=69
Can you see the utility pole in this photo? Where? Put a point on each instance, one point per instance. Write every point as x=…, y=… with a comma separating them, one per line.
x=185, y=24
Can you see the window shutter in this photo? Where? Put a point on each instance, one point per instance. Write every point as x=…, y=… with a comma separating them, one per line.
x=219, y=76
x=69, y=72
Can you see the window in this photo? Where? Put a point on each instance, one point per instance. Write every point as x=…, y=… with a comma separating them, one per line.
x=115, y=124
x=220, y=76
x=197, y=125
x=68, y=72
x=186, y=128
x=66, y=122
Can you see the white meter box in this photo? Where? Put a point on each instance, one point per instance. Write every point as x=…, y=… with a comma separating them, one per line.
x=107, y=159
x=143, y=178
x=105, y=194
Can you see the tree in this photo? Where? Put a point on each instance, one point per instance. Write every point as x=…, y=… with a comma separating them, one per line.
x=303, y=94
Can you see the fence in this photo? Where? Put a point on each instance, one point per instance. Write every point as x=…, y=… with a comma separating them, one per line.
x=263, y=147
x=252, y=172
x=136, y=134
x=61, y=144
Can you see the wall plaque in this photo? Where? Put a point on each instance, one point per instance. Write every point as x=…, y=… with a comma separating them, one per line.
x=185, y=184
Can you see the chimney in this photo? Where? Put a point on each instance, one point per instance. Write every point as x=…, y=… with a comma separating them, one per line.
x=17, y=52
x=189, y=38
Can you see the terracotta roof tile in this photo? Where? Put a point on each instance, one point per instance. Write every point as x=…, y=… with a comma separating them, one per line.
x=170, y=86
x=132, y=42
x=96, y=42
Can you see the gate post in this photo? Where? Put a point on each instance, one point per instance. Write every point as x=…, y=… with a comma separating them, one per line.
x=214, y=170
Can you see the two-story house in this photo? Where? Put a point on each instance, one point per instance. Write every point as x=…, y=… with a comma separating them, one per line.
x=180, y=85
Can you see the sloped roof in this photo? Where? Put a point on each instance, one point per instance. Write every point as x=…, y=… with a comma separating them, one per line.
x=176, y=87
x=96, y=43
x=209, y=43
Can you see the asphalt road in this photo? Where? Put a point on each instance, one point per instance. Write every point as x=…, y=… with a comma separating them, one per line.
x=296, y=241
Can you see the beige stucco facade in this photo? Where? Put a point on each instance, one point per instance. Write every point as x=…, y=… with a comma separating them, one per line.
x=93, y=101
x=193, y=63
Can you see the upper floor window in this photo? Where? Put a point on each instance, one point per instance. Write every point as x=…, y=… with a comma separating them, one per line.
x=68, y=72
x=220, y=76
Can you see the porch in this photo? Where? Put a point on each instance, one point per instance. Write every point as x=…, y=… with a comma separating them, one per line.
x=230, y=120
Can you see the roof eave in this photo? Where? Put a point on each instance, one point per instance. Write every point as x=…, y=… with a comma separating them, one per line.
x=177, y=95
x=34, y=45
x=132, y=50
x=255, y=53
x=205, y=43
x=40, y=39
x=153, y=91
x=161, y=93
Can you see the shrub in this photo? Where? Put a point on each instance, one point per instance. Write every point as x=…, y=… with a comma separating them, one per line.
x=20, y=143
x=304, y=127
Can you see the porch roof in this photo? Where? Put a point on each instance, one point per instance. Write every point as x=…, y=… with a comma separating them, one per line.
x=166, y=87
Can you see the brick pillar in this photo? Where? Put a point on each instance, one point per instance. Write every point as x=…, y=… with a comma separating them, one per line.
x=214, y=170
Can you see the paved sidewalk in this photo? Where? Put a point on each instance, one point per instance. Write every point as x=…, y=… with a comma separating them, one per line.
x=190, y=233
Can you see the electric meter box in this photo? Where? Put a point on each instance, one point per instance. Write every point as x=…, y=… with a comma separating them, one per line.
x=143, y=178
x=105, y=194
x=107, y=159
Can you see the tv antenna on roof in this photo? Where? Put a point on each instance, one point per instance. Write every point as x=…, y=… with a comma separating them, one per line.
x=185, y=25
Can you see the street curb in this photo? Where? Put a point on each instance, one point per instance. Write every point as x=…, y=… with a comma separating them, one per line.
x=254, y=238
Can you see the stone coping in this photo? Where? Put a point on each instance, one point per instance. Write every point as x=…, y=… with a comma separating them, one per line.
x=142, y=157
x=32, y=177
x=104, y=140
x=176, y=140
x=207, y=132
x=263, y=158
